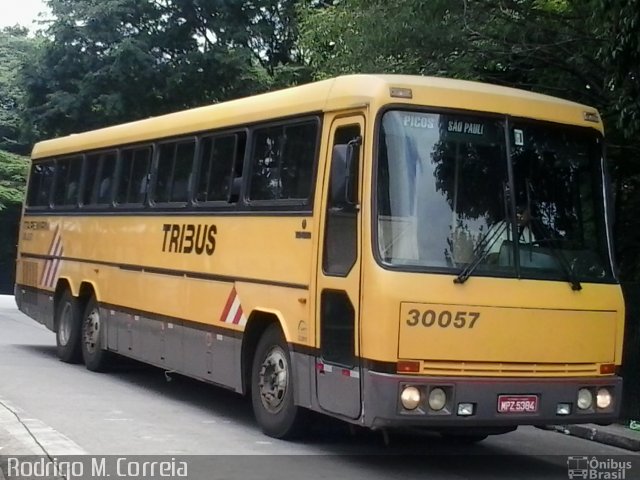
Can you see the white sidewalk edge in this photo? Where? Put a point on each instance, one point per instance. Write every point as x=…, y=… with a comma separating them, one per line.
x=33, y=435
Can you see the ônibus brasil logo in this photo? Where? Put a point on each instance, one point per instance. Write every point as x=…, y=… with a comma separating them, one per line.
x=593, y=468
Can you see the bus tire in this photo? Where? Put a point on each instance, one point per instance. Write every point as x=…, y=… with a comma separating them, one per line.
x=272, y=388
x=95, y=358
x=68, y=323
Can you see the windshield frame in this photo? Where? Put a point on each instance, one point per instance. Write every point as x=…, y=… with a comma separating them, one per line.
x=605, y=202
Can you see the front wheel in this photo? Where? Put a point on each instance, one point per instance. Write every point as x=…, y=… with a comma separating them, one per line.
x=272, y=388
x=95, y=358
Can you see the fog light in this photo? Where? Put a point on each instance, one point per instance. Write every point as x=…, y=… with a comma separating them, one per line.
x=410, y=398
x=563, y=409
x=437, y=399
x=603, y=398
x=465, y=409
x=585, y=399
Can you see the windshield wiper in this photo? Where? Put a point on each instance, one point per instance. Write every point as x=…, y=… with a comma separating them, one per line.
x=481, y=251
x=551, y=240
x=487, y=241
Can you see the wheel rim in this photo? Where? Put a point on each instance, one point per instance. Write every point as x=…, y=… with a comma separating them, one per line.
x=65, y=325
x=92, y=331
x=273, y=380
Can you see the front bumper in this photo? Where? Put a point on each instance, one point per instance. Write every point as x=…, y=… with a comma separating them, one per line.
x=382, y=406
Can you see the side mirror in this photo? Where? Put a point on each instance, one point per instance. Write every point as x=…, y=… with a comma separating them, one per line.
x=344, y=175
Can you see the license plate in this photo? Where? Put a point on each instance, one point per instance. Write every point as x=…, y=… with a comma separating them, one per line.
x=517, y=403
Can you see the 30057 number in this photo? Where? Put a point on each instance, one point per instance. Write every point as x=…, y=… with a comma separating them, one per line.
x=442, y=319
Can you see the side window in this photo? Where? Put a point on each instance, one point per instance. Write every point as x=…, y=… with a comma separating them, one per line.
x=98, y=183
x=283, y=160
x=133, y=177
x=219, y=157
x=67, y=181
x=341, y=225
x=175, y=163
x=91, y=165
x=40, y=183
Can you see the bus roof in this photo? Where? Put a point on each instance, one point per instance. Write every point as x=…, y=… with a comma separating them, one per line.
x=343, y=92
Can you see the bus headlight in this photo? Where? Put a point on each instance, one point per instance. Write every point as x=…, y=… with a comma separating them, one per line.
x=585, y=399
x=437, y=399
x=603, y=398
x=410, y=398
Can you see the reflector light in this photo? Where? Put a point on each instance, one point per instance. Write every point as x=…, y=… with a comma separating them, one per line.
x=607, y=368
x=408, y=366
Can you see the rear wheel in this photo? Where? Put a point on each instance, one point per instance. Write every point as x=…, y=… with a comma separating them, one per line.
x=95, y=358
x=272, y=388
x=68, y=328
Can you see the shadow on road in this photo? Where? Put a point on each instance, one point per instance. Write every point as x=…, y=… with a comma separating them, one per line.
x=41, y=350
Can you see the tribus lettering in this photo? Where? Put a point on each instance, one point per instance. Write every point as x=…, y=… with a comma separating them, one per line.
x=465, y=127
x=189, y=238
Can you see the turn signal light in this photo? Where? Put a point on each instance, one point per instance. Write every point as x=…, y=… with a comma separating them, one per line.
x=408, y=366
x=607, y=368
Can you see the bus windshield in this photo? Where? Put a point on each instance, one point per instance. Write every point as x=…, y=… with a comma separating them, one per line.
x=445, y=200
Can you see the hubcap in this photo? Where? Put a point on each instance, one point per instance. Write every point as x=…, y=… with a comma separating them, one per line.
x=274, y=380
x=66, y=321
x=92, y=331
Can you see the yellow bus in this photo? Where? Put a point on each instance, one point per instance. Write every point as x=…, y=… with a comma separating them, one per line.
x=393, y=251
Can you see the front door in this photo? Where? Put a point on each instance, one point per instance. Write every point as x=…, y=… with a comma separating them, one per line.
x=338, y=286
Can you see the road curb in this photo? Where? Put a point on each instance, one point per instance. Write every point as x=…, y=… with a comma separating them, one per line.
x=602, y=435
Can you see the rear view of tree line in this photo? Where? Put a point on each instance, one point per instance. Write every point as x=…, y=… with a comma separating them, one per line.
x=100, y=62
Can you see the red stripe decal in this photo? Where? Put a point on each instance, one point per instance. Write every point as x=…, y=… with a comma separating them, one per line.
x=238, y=316
x=53, y=240
x=53, y=264
x=227, y=307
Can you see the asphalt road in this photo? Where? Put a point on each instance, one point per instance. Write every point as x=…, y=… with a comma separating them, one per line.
x=54, y=408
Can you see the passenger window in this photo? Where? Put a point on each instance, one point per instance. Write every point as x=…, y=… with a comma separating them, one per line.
x=99, y=170
x=67, y=181
x=218, y=156
x=134, y=175
x=40, y=182
x=283, y=161
x=175, y=163
x=91, y=165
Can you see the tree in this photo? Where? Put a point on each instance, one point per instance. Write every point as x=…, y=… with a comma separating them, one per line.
x=13, y=171
x=15, y=48
x=13, y=174
x=111, y=61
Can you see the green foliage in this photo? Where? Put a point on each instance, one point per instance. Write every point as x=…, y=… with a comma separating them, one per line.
x=396, y=36
x=13, y=177
x=110, y=61
x=15, y=47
